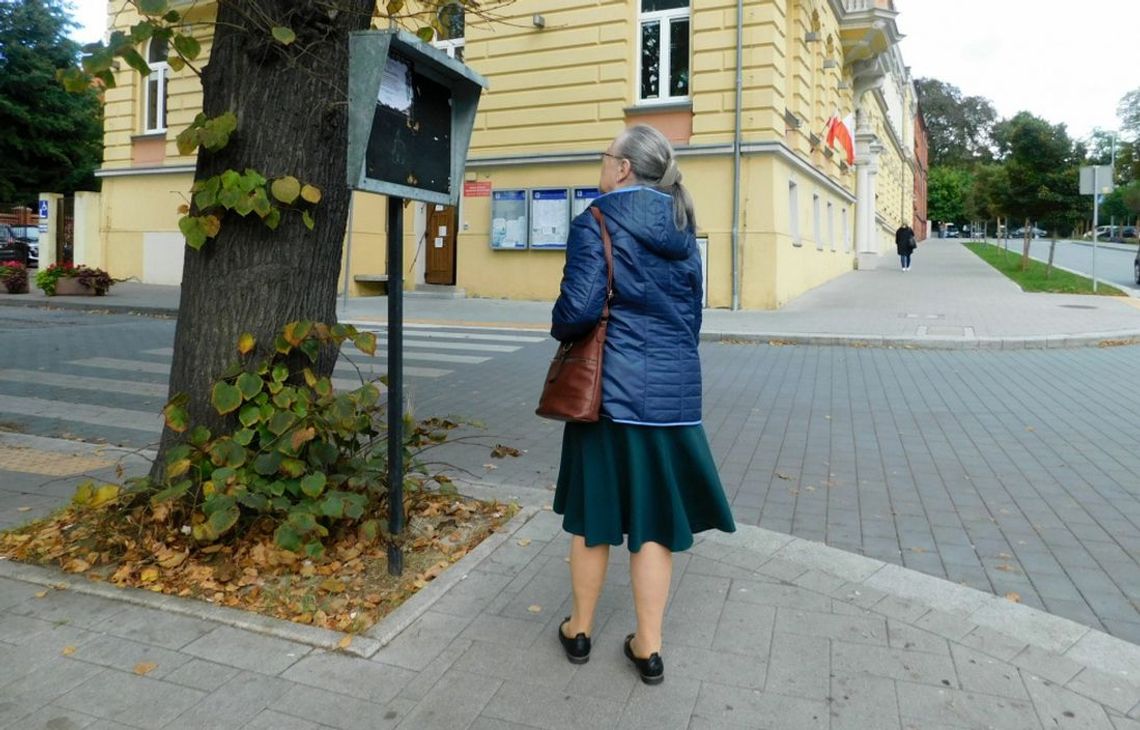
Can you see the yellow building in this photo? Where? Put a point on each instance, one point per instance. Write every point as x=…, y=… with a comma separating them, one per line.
x=745, y=91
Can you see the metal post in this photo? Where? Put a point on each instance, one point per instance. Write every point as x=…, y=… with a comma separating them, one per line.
x=395, y=381
x=1096, y=206
x=736, y=274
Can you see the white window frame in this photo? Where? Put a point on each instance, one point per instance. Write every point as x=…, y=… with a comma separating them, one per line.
x=663, y=18
x=846, y=232
x=815, y=222
x=794, y=212
x=158, y=70
x=830, y=225
x=450, y=45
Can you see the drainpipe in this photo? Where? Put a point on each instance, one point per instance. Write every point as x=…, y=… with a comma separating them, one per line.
x=736, y=156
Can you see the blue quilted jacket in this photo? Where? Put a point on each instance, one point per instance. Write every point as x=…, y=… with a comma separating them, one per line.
x=651, y=373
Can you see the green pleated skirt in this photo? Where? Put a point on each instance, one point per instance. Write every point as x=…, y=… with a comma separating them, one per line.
x=653, y=483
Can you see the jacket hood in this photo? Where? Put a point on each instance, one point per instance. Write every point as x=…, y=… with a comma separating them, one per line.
x=647, y=215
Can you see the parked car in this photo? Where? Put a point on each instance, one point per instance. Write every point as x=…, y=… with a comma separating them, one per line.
x=949, y=230
x=1020, y=232
x=1112, y=233
x=31, y=236
x=12, y=248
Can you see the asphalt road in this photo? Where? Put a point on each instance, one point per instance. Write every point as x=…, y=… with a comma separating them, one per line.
x=1015, y=472
x=1114, y=262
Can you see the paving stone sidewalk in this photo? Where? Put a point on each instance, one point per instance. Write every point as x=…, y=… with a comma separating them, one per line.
x=763, y=631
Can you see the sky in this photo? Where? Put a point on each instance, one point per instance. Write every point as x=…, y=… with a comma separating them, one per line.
x=1063, y=61
x=1067, y=62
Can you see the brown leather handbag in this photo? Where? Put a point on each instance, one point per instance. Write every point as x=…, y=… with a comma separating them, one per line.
x=572, y=390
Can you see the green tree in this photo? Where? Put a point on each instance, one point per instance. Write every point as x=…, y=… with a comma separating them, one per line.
x=1041, y=164
x=946, y=192
x=51, y=140
x=270, y=205
x=958, y=127
x=986, y=196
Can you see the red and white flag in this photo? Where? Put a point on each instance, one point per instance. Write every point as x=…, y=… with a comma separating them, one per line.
x=841, y=132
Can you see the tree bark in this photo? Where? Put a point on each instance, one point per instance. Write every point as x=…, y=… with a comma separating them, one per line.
x=291, y=104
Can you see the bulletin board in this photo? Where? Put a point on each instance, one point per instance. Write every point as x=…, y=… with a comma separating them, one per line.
x=549, y=218
x=508, y=220
x=582, y=199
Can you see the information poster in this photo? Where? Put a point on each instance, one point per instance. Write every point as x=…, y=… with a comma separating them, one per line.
x=582, y=199
x=508, y=220
x=549, y=218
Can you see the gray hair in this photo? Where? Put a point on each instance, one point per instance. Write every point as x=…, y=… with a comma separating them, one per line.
x=654, y=164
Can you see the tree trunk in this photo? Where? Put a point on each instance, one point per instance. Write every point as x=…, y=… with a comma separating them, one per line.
x=291, y=104
x=1049, y=266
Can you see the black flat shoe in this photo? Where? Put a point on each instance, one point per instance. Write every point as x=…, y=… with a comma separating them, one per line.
x=578, y=648
x=652, y=670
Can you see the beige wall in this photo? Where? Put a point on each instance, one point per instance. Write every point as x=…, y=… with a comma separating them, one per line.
x=569, y=88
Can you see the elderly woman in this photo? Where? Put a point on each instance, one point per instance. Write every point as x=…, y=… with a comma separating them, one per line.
x=644, y=469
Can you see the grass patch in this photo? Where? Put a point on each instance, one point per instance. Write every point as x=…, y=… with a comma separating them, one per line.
x=1034, y=279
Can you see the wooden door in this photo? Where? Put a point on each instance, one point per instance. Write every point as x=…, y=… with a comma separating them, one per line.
x=440, y=245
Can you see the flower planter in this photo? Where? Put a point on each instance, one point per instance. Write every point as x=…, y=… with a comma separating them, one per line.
x=68, y=286
x=21, y=288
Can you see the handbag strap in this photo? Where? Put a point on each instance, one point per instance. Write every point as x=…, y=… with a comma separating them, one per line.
x=607, y=245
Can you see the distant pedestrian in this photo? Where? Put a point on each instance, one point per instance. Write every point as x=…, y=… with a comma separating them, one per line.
x=644, y=470
x=906, y=244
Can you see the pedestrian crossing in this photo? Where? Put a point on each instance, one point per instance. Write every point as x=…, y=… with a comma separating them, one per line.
x=124, y=393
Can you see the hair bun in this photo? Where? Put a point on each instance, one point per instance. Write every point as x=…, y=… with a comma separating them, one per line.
x=672, y=175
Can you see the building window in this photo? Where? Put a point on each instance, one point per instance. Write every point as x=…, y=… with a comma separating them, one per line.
x=154, y=86
x=815, y=222
x=794, y=212
x=830, y=227
x=449, y=37
x=663, y=50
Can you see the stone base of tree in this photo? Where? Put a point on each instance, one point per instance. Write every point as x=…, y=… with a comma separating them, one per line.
x=71, y=287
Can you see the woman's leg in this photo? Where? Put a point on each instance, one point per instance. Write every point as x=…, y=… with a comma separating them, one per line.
x=650, y=570
x=902, y=260
x=587, y=575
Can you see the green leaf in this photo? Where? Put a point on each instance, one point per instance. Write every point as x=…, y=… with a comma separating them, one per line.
x=225, y=398
x=307, y=219
x=354, y=505
x=280, y=372
x=187, y=45
x=222, y=475
x=231, y=180
x=426, y=34
x=221, y=521
x=249, y=385
x=199, y=435
x=153, y=8
x=333, y=505
x=176, y=415
x=394, y=6
x=287, y=538
x=260, y=202
x=292, y=467
x=249, y=415
x=172, y=492
x=176, y=63
x=283, y=35
x=172, y=17
x=227, y=452
x=284, y=399
x=302, y=521
x=135, y=60
x=243, y=206
x=313, y=484
x=366, y=343
x=312, y=349
x=193, y=230
x=257, y=502
x=281, y=422
x=273, y=219
x=286, y=189
x=267, y=464
x=314, y=550
x=311, y=194
x=244, y=436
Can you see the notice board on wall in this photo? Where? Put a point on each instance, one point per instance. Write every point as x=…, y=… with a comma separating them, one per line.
x=549, y=218
x=582, y=199
x=508, y=219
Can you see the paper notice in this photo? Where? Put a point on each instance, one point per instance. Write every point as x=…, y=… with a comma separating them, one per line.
x=395, y=86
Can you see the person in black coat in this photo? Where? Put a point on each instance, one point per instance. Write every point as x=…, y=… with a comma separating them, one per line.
x=905, y=243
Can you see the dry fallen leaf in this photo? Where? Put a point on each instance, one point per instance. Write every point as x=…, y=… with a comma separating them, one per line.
x=782, y=475
x=41, y=594
x=144, y=668
x=524, y=542
x=332, y=586
x=23, y=509
x=534, y=608
x=345, y=642
x=68, y=650
x=149, y=575
x=1013, y=596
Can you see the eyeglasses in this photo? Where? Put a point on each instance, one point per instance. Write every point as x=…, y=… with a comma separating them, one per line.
x=616, y=157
